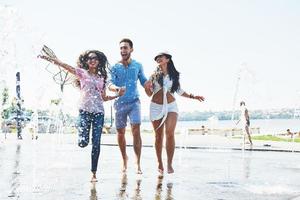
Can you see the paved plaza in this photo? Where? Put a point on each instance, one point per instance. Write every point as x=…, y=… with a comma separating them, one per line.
x=206, y=167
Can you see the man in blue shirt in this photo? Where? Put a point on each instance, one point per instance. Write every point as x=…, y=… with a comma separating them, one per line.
x=124, y=77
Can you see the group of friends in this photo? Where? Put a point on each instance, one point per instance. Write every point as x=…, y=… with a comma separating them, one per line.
x=95, y=76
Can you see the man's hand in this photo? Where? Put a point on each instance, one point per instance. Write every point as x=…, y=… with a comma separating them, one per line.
x=148, y=85
x=148, y=88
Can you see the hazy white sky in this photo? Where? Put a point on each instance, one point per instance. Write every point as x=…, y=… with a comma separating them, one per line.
x=212, y=43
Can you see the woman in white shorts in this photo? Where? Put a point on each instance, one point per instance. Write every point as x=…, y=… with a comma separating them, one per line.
x=163, y=108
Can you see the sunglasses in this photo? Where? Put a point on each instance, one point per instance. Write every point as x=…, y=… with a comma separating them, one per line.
x=158, y=57
x=92, y=58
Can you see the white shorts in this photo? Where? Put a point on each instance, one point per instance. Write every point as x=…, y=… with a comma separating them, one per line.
x=157, y=111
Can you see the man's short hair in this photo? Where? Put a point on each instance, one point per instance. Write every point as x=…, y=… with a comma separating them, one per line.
x=128, y=41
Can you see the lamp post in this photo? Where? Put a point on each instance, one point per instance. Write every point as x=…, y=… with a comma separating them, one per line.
x=19, y=111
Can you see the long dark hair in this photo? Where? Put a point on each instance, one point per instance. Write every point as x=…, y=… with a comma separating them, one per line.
x=101, y=68
x=173, y=75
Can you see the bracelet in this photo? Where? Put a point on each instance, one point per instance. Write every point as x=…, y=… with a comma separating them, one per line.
x=191, y=96
x=114, y=97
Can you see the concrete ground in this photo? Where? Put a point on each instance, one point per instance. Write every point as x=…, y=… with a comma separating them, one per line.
x=206, y=167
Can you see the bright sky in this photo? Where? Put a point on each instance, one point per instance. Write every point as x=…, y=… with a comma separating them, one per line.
x=212, y=43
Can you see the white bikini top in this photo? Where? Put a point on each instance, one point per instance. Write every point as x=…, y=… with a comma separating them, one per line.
x=167, y=85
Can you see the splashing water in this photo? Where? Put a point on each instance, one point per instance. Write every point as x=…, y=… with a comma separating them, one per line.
x=20, y=45
x=18, y=50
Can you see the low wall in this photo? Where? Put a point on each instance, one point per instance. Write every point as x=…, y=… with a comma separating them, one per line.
x=224, y=132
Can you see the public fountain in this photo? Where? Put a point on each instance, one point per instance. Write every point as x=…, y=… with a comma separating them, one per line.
x=47, y=169
x=246, y=80
x=20, y=45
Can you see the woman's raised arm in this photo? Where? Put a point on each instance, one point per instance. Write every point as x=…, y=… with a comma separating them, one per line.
x=55, y=61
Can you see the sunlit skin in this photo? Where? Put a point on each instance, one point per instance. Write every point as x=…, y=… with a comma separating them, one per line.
x=92, y=62
x=125, y=51
x=162, y=62
x=169, y=124
x=247, y=118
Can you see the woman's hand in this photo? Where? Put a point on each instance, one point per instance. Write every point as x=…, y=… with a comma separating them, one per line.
x=199, y=98
x=56, y=61
x=45, y=58
x=121, y=91
x=107, y=98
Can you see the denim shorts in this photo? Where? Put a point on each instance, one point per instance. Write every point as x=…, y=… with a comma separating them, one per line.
x=125, y=110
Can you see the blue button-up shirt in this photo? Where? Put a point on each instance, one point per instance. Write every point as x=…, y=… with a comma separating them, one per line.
x=122, y=76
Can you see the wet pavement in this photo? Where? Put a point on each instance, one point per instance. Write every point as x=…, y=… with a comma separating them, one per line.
x=54, y=167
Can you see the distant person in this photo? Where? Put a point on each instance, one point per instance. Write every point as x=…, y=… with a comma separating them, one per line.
x=124, y=77
x=245, y=120
x=5, y=129
x=163, y=108
x=203, y=130
x=92, y=75
x=288, y=132
x=32, y=126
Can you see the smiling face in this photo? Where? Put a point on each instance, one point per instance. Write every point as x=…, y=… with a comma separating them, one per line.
x=162, y=60
x=92, y=61
x=125, y=51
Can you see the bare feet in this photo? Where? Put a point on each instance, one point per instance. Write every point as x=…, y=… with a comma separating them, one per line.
x=94, y=178
x=160, y=167
x=170, y=170
x=124, y=169
x=138, y=169
x=160, y=170
x=160, y=173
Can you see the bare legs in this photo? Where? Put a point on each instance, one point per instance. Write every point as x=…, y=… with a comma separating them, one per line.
x=169, y=125
x=122, y=146
x=248, y=134
x=170, y=139
x=137, y=146
x=94, y=178
x=159, y=136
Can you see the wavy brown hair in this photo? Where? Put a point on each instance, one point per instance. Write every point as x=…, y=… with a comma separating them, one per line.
x=101, y=68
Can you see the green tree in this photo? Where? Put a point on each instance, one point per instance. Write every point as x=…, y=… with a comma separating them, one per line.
x=5, y=96
x=4, y=101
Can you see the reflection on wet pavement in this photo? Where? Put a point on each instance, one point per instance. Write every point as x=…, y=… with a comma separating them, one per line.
x=15, y=182
x=123, y=194
x=53, y=167
x=93, y=192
